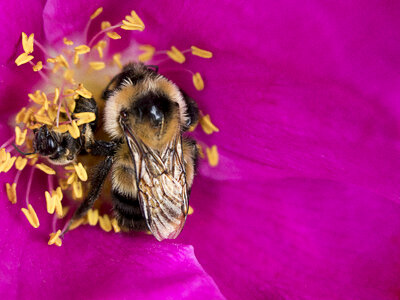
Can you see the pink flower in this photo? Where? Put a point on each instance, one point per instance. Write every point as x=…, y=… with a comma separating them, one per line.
x=304, y=203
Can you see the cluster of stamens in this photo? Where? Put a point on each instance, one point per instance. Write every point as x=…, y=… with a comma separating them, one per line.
x=54, y=106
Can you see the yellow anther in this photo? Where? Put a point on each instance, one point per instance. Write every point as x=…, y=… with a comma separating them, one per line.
x=33, y=161
x=46, y=169
x=96, y=13
x=65, y=211
x=56, y=95
x=43, y=119
x=113, y=35
x=20, y=136
x=58, y=242
x=190, y=211
x=76, y=223
x=27, y=43
x=63, y=61
x=93, y=216
x=63, y=183
x=148, y=53
x=212, y=155
x=105, y=223
x=117, y=59
x=207, y=125
x=3, y=155
x=54, y=237
x=176, y=55
x=45, y=101
x=36, y=97
x=50, y=202
x=67, y=42
x=105, y=25
x=200, y=52
x=5, y=162
x=23, y=59
x=73, y=177
x=77, y=189
x=100, y=46
x=115, y=225
x=20, y=116
x=31, y=216
x=83, y=92
x=38, y=66
x=133, y=22
x=52, y=60
x=69, y=168
x=85, y=117
x=61, y=128
x=73, y=130
x=59, y=193
x=59, y=209
x=81, y=172
x=69, y=76
x=198, y=81
x=11, y=192
x=20, y=163
x=82, y=49
x=7, y=165
x=76, y=58
x=97, y=65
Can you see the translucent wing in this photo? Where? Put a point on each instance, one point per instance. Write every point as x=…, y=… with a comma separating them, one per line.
x=161, y=185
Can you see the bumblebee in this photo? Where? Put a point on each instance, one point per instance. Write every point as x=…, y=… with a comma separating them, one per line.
x=152, y=164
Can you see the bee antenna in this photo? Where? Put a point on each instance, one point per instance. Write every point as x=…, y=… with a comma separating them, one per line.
x=21, y=152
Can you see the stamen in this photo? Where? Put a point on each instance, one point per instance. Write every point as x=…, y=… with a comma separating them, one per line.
x=20, y=163
x=20, y=136
x=93, y=216
x=115, y=225
x=31, y=216
x=40, y=46
x=133, y=22
x=50, y=203
x=212, y=155
x=73, y=130
x=27, y=43
x=105, y=223
x=93, y=16
x=59, y=209
x=45, y=169
x=56, y=95
x=207, y=125
x=81, y=171
x=3, y=155
x=83, y=92
x=54, y=237
x=148, y=54
x=198, y=81
x=11, y=192
x=23, y=59
x=103, y=31
x=176, y=55
x=96, y=13
x=82, y=49
x=113, y=35
x=67, y=42
x=97, y=65
x=100, y=47
x=7, y=165
x=200, y=52
x=85, y=117
x=38, y=66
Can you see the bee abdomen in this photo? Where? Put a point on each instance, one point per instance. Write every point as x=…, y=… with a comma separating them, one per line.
x=127, y=211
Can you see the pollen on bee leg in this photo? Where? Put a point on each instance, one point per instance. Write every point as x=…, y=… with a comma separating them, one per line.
x=11, y=192
x=54, y=237
x=31, y=216
x=105, y=223
x=212, y=155
x=207, y=125
x=93, y=216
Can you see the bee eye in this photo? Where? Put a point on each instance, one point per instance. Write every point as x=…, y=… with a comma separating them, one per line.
x=124, y=114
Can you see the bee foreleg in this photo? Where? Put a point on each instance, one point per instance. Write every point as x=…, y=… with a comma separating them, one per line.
x=97, y=181
x=102, y=148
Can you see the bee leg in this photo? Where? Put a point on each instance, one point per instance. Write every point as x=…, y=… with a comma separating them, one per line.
x=102, y=148
x=191, y=155
x=192, y=110
x=97, y=181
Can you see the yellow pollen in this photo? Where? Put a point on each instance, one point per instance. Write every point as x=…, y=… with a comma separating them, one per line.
x=69, y=76
x=63, y=183
x=46, y=169
x=59, y=209
x=96, y=13
x=105, y=223
x=148, y=53
x=82, y=49
x=85, y=117
x=133, y=22
x=56, y=95
x=198, y=81
x=212, y=155
x=4, y=162
x=190, y=211
x=63, y=61
x=93, y=216
x=65, y=211
x=61, y=128
x=20, y=116
x=20, y=163
x=59, y=193
x=27, y=43
x=113, y=35
x=50, y=202
x=117, y=59
x=67, y=42
x=100, y=46
x=3, y=155
x=83, y=92
x=115, y=225
x=38, y=66
x=20, y=136
x=176, y=55
x=73, y=177
x=11, y=192
x=23, y=59
x=200, y=52
x=81, y=172
x=43, y=119
x=105, y=25
x=54, y=237
x=52, y=60
x=7, y=165
x=31, y=216
x=207, y=125
x=73, y=130
x=76, y=58
x=97, y=65
x=69, y=168
x=77, y=189
x=46, y=102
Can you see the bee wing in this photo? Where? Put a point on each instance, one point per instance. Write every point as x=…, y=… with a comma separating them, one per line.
x=161, y=185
